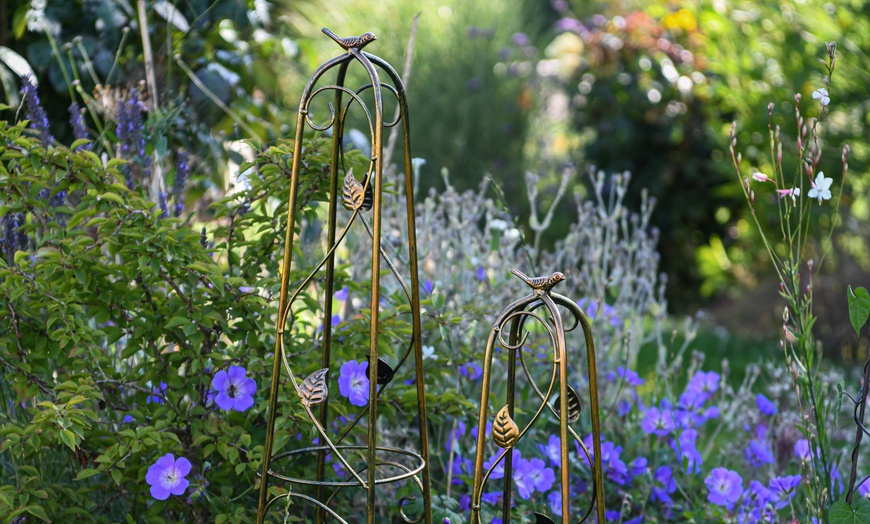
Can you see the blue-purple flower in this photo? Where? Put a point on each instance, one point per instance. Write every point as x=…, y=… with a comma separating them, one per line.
x=166, y=476
x=631, y=377
x=553, y=450
x=687, y=452
x=454, y=437
x=704, y=383
x=659, y=422
x=663, y=485
x=234, y=390
x=765, y=406
x=758, y=453
x=555, y=501
x=802, y=450
x=78, y=125
x=35, y=112
x=182, y=170
x=783, y=489
x=725, y=487
x=353, y=382
x=157, y=397
x=471, y=371
x=608, y=313
x=542, y=476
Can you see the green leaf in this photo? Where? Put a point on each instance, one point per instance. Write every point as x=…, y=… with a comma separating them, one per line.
x=87, y=473
x=79, y=142
x=841, y=513
x=112, y=197
x=38, y=512
x=68, y=438
x=859, y=307
x=177, y=321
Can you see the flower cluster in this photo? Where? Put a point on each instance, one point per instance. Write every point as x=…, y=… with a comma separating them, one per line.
x=35, y=112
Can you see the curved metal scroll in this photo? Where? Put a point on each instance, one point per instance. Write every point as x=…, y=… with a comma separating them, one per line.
x=358, y=198
x=506, y=433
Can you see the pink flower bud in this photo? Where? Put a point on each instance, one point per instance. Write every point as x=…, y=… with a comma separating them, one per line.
x=760, y=177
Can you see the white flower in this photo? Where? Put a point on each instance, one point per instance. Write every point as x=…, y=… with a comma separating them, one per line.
x=428, y=352
x=822, y=96
x=793, y=193
x=821, y=188
x=497, y=223
x=760, y=177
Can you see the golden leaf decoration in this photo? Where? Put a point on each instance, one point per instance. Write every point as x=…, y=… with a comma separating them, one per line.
x=573, y=406
x=313, y=389
x=505, y=432
x=353, y=196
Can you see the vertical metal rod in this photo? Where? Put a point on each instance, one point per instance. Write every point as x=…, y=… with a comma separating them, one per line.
x=562, y=355
x=377, y=181
x=592, y=368
x=329, y=291
x=415, y=299
x=285, y=278
x=510, y=397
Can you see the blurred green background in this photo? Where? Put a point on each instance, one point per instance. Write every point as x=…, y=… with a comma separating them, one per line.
x=501, y=88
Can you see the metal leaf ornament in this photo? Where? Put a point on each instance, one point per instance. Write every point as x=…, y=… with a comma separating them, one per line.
x=543, y=519
x=573, y=406
x=385, y=372
x=353, y=195
x=313, y=389
x=505, y=432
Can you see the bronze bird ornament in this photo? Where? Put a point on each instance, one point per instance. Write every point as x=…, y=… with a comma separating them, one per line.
x=539, y=285
x=353, y=42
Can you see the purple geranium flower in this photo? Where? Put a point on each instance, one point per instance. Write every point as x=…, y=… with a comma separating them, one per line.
x=660, y=422
x=756, y=505
x=765, y=405
x=758, y=453
x=234, y=390
x=614, y=467
x=166, y=476
x=663, y=485
x=555, y=501
x=523, y=478
x=783, y=489
x=704, y=383
x=687, y=451
x=454, y=438
x=553, y=450
x=631, y=377
x=471, y=370
x=590, y=307
x=542, y=476
x=725, y=486
x=802, y=449
x=353, y=382
x=638, y=466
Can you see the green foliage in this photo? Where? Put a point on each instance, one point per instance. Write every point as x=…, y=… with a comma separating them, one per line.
x=859, y=307
x=114, y=322
x=842, y=513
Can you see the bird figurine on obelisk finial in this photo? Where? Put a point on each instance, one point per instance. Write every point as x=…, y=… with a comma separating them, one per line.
x=540, y=285
x=353, y=42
